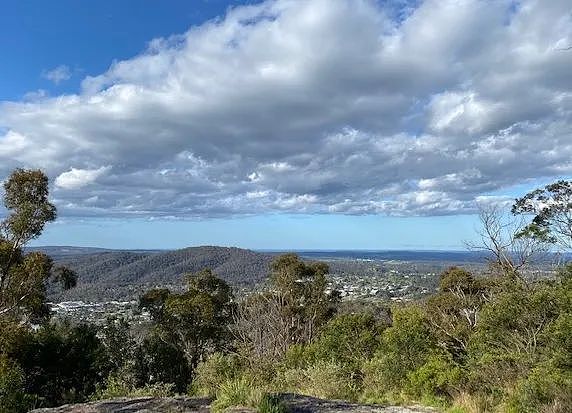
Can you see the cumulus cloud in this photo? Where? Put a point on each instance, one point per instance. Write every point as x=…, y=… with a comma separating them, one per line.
x=57, y=74
x=320, y=106
x=78, y=178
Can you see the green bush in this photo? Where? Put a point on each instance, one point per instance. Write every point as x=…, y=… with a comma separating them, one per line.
x=271, y=404
x=213, y=372
x=116, y=386
x=347, y=339
x=544, y=390
x=324, y=379
x=62, y=363
x=405, y=346
x=237, y=392
x=439, y=377
x=12, y=396
x=298, y=356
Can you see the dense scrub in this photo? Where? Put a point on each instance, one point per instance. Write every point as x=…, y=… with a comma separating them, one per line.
x=477, y=345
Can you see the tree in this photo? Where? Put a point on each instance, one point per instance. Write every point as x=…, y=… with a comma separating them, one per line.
x=62, y=363
x=268, y=323
x=454, y=310
x=153, y=301
x=348, y=339
x=23, y=277
x=301, y=287
x=196, y=321
x=552, y=210
x=510, y=253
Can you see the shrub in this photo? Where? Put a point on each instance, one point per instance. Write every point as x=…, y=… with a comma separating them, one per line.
x=62, y=364
x=213, y=372
x=115, y=386
x=439, y=377
x=298, y=356
x=325, y=379
x=237, y=392
x=544, y=390
x=379, y=384
x=271, y=403
x=12, y=396
x=405, y=347
x=348, y=339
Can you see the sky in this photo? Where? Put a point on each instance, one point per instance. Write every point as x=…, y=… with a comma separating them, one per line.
x=284, y=124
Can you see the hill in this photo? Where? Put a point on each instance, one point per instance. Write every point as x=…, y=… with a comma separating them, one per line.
x=122, y=275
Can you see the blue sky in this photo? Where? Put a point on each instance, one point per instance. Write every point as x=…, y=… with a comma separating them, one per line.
x=282, y=124
x=37, y=36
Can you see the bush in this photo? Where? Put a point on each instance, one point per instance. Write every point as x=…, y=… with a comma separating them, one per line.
x=62, y=364
x=325, y=379
x=115, y=386
x=439, y=377
x=544, y=390
x=213, y=372
x=348, y=339
x=379, y=384
x=271, y=404
x=12, y=396
x=405, y=347
x=237, y=392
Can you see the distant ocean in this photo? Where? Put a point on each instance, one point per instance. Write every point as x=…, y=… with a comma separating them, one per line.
x=387, y=255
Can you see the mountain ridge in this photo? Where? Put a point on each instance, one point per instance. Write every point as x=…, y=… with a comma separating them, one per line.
x=123, y=274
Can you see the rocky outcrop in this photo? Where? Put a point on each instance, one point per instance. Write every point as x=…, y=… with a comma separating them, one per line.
x=133, y=405
x=294, y=403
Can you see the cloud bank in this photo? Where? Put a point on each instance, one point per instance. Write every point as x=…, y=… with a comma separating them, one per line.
x=320, y=106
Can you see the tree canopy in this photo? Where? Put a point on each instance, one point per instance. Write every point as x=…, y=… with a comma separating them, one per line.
x=23, y=277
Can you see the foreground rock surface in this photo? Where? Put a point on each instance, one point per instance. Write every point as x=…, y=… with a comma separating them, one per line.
x=294, y=403
x=138, y=404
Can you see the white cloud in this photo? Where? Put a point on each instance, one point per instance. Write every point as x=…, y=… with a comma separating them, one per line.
x=314, y=106
x=78, y=178
x=58, y=74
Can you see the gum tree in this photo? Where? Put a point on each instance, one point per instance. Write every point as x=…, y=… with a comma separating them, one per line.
x=24, y=277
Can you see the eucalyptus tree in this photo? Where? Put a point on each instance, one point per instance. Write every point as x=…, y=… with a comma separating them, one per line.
x=24, y=276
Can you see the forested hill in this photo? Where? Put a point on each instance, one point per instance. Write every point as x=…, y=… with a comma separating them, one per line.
x=124, y=274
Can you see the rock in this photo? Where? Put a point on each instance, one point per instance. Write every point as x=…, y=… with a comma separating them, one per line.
x=306, y=404
x=134, y=405
x=295, y=403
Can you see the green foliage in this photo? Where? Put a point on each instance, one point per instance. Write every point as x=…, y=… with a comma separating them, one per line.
x=406, y=346
x=440, y=377
x=153, y=301
x=348, y=339
x=325, y=379
x=116, y=386
x=13, y=398
x=237, y=392
x=196, y=321
x=213, y=372
x=271, y=403
x=513, y=334
x=62, y=364
x=23, y=277
x=544, y=389
x=454, y=311
x=26, y=196
x=551, y=207
x=161, y=362
x=301, y=289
